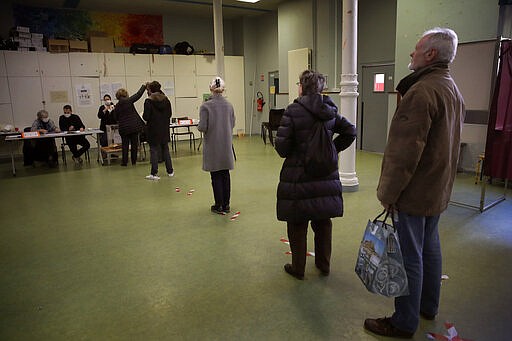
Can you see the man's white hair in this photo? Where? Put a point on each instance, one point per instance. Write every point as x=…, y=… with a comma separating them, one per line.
x=444, y=41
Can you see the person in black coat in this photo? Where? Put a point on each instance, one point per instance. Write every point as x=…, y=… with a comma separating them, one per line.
x=303, y=197
x=157, y=114
x=71, y=122
x=130, y=123
x=106, y=118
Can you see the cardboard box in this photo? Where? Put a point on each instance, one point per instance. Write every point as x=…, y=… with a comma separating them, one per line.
x=101, y=44
x=58, y=45
x=78, y=46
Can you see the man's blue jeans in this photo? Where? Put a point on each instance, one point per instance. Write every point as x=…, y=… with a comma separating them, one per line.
x=421, y=250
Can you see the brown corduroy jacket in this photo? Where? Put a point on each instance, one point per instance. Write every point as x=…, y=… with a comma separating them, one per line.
x=420, y=159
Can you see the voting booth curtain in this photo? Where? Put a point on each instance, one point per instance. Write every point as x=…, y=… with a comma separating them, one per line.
x=498, y=149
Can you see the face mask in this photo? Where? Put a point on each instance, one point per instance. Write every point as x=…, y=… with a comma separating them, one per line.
x=108, y=102
x=45, y=120
x=67, y=115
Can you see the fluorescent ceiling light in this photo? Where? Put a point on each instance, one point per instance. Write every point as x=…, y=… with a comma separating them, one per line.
x=251, y=1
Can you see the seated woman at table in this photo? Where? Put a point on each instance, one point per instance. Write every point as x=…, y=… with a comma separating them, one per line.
x=45, y=150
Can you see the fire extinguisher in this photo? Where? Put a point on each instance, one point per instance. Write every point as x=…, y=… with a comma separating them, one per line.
x=260, y=101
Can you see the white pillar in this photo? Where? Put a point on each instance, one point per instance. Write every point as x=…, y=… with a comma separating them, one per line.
x=218, y=33
x=348, y=86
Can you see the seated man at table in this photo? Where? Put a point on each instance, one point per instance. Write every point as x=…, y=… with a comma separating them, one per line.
x=71, y=122
x=45, y=150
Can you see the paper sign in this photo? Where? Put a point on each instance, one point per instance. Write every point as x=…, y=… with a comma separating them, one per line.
x=30, y=134
x=59, y=96
x=83, y=95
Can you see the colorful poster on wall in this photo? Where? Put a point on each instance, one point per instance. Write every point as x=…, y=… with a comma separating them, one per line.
x=127, y=29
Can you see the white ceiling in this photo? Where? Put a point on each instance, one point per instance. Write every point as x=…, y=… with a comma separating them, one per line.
x=231, y=9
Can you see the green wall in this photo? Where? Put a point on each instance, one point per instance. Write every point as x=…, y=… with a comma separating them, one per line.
x=473, y=20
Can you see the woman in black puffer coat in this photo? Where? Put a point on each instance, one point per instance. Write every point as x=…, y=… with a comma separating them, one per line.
x=130, y=122
x=303, y=197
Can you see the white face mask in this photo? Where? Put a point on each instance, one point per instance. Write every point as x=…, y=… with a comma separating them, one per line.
x=67, y=115
x=45, y=120
x=108, y=102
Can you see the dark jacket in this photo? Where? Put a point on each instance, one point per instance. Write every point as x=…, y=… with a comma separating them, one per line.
x=420, y=160
x=73, y=120
x=301, y=197
x=106, y=118
x=157, y=114
x=127, y=116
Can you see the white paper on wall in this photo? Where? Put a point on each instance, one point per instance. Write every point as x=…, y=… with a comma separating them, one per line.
x=83, y=94
x=169, y=88
x=106, y=89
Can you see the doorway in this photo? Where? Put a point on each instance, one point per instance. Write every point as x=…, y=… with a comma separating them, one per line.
x=273, y=88
x=377, y=82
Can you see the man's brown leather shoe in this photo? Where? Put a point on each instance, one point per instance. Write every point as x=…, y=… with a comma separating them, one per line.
x=288, y=268
x=427, y=316
x=383, y=326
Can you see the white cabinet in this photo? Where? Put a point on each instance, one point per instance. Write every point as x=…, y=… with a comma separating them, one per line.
x=137, y=65
x=203, y=85
x=3, y=70
x=184, y=65
x=133, y=85
x=187, y=107
x=57, y=92
x=26, y=99
x=206, y=66
x=5, y=97
x=162, y=65
x=112, y=64
x=84, y=64
x=54, y=64
x=235, y=92
x=21, y=63
x=185, y=86
x=87, y=110
x=6, y=115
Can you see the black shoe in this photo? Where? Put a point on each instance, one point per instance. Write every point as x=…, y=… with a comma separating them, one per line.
x=216, y=209
x=124, y=164
x=226, y=209
x=322, y=271
x=383, y=326
x=289, y=270
x=426, y=316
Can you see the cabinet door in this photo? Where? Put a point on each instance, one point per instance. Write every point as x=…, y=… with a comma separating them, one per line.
x=184, y=65
x=112, y=64
x=3, y=70
x=235, y=92
x=57, y=92
x=84, y=64
x=137, y=65
x=185, y=86
x=21, y=63
x=5, y=96
x=203, y=85
x=187, y=107
x=162, y=65
x=132, y=86
x=206, y=66
x=54, y=64
x=6, y=114
x=87, y=110
x=27, y=100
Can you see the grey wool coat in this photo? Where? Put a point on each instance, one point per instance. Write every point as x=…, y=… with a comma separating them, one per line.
x=216, y=122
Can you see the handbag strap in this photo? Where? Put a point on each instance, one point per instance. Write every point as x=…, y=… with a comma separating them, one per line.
x=386, y=217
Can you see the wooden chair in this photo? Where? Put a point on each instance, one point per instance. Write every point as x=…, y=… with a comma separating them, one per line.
x=274, y=119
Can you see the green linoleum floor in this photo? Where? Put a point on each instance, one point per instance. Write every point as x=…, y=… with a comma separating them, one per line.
x=100, y=253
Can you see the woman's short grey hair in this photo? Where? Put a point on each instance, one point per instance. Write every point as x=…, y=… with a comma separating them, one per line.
x=444, y=40
x=312, y=82
x=42, y=113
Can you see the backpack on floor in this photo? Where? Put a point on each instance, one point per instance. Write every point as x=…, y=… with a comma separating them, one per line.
x=321, y=158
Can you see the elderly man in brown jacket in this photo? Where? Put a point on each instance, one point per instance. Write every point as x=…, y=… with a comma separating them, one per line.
x=418, y=170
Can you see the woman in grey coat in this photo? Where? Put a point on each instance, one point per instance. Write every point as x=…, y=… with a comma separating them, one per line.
x=216, y=122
